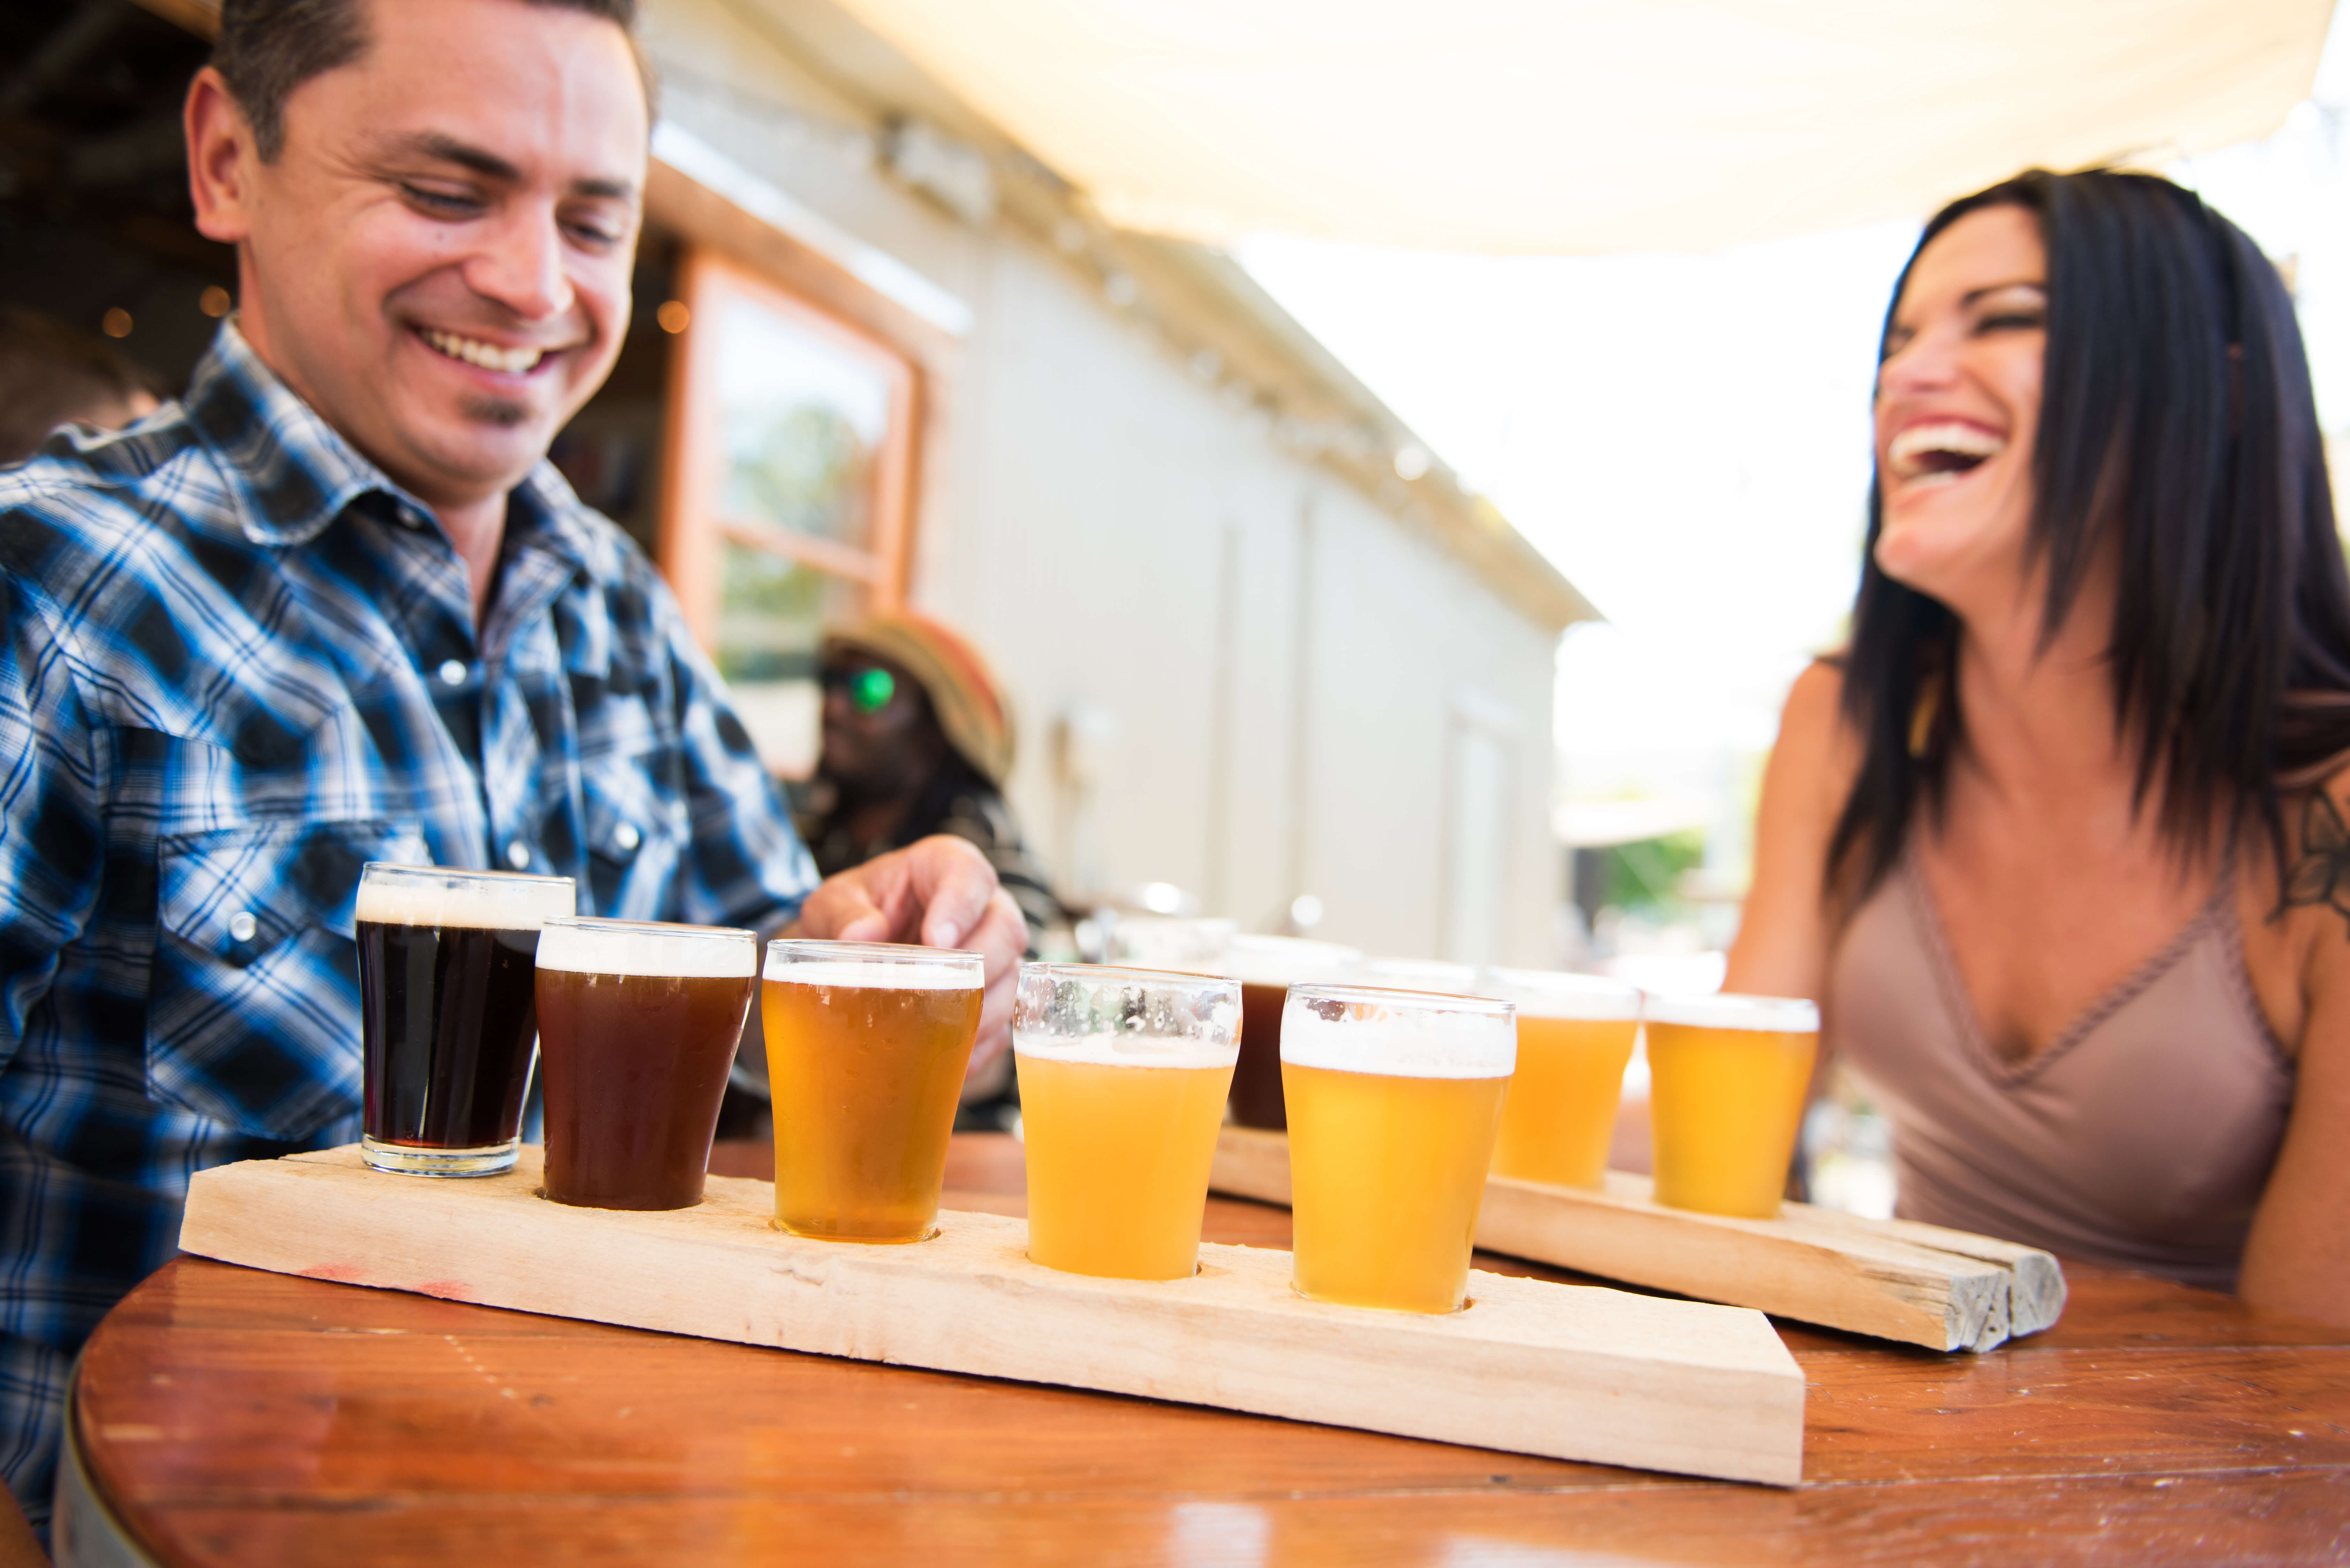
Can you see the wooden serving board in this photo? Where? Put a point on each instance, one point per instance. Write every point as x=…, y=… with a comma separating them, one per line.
x=1532, y=1367
x=1893, y=1279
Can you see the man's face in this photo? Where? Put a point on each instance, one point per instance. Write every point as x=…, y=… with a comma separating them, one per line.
x=438, y=260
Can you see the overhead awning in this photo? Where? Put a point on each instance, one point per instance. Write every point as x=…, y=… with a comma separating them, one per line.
x=1583, y=126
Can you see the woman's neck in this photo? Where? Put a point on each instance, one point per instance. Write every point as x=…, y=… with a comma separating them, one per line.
x=2039, y=719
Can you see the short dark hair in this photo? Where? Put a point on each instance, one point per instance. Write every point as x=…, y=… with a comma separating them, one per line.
x=266, y=48
x=51, y=373
x=2177, y=419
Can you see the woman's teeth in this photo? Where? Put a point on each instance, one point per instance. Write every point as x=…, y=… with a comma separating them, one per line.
x=1939, y=455
x=488, y=356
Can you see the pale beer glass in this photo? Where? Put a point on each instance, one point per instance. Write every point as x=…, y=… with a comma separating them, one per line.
x=1266, y=967
x=448, y=1013
x=1576, y=1033
x=1123, y=1075
x=1394, y=1098
x=1728, y=1076
x=866, y=1046
x=638, y=1025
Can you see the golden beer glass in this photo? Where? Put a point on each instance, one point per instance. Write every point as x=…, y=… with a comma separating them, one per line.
x=1726, y=1079
x=867, y=1047
x=1576, y=1033
x=1123, y=1075
x=1394, y=1100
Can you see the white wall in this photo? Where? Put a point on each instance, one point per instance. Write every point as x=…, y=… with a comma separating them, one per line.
x=1128, y=549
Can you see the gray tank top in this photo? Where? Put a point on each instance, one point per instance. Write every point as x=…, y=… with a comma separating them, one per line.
x=2139, y=1139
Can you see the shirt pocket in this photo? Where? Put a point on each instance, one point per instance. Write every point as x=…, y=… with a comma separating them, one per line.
x=637, y=835
x=253, y=1007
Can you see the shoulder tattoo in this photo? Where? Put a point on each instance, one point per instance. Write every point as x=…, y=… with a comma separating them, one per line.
x=2321, y=872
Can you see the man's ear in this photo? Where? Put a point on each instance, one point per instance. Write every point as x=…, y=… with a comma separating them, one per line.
x=221, y=158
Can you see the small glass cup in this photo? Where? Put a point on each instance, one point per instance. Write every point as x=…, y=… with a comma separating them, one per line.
x=867, y=1047
x=1179, y=944
x=1576, y=1033
x=1433, y=975
x=1727, y=1078
x=1123, y=1075
x=1394, y=1099
x=448, y=1013
x=637, y=1024
x=1266, y=967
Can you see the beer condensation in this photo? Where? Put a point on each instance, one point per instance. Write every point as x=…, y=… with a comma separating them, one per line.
x=448, y=1006
x=865, y=1064
x=638, y=1028
x=1391, y=1129
x=1118, y=1145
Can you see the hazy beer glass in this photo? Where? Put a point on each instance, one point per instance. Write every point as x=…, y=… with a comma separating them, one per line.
x=1266, y=967
x=1726, y=1079
x=1394, y=1098
x=448, y=1013
x=1576, y=1033
x=866, y=1045
x=1123, y=1075
x=638, y=1023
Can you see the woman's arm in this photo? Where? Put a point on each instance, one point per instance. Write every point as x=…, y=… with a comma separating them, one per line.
x=2297, y=1258
x=1782, y=937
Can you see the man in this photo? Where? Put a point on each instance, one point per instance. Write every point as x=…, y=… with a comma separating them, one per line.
x=335, y=608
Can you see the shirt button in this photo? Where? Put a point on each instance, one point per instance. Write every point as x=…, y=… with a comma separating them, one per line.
x=518, y=856
x=453, y=673
x=627, y=836
x=241, y=926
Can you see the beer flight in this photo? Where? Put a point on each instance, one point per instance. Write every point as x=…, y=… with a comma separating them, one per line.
x=1398, y=1097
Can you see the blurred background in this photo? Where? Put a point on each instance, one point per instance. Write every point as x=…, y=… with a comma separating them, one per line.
x=1397, y=457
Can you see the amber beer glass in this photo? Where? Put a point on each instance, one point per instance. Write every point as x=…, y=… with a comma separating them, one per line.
x=1576, y=1033
x=1394, y=1099
x=448, y=1013
x=1266, y=967
x=866, y=1046
x=1726, y=1079
x=1123, y=1075
x=638, y=1023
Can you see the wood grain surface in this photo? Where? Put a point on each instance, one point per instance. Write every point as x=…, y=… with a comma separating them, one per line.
x=235, y=1417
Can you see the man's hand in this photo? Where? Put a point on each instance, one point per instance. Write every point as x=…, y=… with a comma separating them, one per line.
x=940, y=892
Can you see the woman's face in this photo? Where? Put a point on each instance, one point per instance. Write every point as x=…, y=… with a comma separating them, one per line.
x=1958, y=404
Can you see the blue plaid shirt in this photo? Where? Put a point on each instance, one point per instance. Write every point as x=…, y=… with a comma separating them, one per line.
x=238, y=662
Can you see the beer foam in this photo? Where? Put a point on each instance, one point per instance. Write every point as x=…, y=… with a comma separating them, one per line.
x=1288, y=960
x=879, y=976
x=483, y=901
x=1124, y=1049
x=644, y=948
x=1766, y=1014
x=1405, y=1041
x=1542, y=993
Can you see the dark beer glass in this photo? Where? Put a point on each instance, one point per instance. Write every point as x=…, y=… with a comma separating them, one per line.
x=638, y=1024
x=1266, y=967
x=448, y=1013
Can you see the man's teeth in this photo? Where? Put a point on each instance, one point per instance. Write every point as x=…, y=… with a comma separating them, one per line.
x=488, y=356
x=1939, y=455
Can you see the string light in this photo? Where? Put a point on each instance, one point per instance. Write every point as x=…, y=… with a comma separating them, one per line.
x=214, y=302
x=673, y=316
x=115, y=323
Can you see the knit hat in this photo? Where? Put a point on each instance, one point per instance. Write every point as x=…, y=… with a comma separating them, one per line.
x=973, y=706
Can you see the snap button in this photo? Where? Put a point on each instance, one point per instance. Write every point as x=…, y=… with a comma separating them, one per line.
x=627, y=836
x=242, y=927
x=518, y=856
x=453, y=673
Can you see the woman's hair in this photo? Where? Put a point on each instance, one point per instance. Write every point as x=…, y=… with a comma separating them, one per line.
x=2176, y=414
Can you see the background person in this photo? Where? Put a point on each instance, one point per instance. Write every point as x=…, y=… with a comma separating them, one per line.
x=52, y=375
x=334, y=606
x=2057, y=842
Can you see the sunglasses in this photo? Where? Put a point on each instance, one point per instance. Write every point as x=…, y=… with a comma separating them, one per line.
x=868, y=690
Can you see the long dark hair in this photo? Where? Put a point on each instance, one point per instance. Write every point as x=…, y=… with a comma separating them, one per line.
x=2176, y=411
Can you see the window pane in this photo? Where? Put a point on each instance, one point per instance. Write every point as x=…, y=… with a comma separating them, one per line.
x=772, y=614
x=804, y=420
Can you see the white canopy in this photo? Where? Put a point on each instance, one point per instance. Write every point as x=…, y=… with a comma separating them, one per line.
x=1567, y=126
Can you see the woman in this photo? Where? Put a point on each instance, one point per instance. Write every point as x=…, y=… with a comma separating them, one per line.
x=2058, y=843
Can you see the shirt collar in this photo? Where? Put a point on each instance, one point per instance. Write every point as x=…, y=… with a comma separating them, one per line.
x=291, y=472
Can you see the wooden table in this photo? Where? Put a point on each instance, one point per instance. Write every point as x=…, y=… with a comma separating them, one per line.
x=226, y=1416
